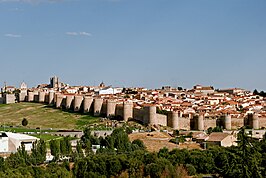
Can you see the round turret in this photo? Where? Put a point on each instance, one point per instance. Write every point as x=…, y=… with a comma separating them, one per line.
x=150, y=112
x=30, y=97
x=97, y=106
x=173, y=120
x=41, y=97
x=51, y=98
x=21, y=97
x=228, y=122
x=201, y=122
x=127, y=110
x=255, y=121
x=59, y=99
x=110, y=109
x=87, y=104
x=69, y=100
x=77, y=102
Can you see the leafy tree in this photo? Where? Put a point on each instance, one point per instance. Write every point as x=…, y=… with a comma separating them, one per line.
x=120, y=139
x=255, y=92
x=164, y=152
x=24, y=122
x=190, y=134
x=63, y=147
x=176, y=132
x=139, y=143
x=113, y=166
x=55, y=149
x=2, y=164
x=159, y=111
x=79, y=150
x=247, y=151
x=38, y=152
x=217, y=129
x=191, y=169
x=209, y=130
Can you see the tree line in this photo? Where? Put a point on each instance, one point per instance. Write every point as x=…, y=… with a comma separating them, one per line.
x=119, y=157
x=261, y=93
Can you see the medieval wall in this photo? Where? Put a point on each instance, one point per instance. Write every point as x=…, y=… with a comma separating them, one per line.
x=209, y=123
x=146, y=115
x=119, y=110
x=138, y=114
x=161, y=119
x=184, y=123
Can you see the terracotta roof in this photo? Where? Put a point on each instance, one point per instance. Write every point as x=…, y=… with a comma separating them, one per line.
x=217, y=136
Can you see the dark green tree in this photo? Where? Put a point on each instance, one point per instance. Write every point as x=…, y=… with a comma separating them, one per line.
x=139, y=143
x=120, y=139
x=55, y=149
x=255, y=92
x=38, y=152
x=24, y=122
x=250, y=157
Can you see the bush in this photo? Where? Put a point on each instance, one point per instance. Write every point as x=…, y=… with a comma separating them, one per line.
x=24, y=122
x=191, y=169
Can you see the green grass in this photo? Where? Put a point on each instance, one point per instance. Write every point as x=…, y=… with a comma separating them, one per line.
x=86, y=120
x=39, y=115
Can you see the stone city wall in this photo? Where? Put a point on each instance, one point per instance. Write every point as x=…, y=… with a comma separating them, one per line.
x=146, y=115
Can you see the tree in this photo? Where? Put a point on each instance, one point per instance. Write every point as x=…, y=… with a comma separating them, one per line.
x=139, y=143
x=55, y=149
x=79, y=149
x=2, y=164
x=247, y=151
x=65, y=146
x=255, y=92
x=262, y=93
x=38, y=152
x=209, y=130
x=191, y=169
x=120, y=139
x=24, y=122
x=217, y=129
x=176, y=133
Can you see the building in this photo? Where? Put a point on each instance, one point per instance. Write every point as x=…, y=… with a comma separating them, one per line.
x=10, y=142
x=109, y=91
x=23, y=88
x=8, y=89
x=1, y=99
x=54, y=82
x=222, y=139
x=204, y=89
x=9, y=98
x=233, y=90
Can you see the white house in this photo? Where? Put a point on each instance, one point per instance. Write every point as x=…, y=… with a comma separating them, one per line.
x=10, y=142
x=3, y=142
x=109, y=91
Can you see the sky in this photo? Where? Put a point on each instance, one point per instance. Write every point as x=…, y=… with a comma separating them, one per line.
x=134, y=43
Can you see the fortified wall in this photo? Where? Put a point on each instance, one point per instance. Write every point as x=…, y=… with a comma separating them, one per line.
x=125, y=110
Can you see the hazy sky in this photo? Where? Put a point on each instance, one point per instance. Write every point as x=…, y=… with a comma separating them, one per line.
x=146, y=43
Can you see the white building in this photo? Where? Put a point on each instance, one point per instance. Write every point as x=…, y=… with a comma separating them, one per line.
x=3, y=142
x=109, y=91
x=10, y=142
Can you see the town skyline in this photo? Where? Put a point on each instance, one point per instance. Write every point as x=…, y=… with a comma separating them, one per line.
x=88, y=84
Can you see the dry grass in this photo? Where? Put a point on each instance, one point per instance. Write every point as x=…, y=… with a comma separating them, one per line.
x=154, y=141
x=39, y=115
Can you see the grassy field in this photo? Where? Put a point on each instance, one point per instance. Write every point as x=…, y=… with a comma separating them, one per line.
x=39, y=115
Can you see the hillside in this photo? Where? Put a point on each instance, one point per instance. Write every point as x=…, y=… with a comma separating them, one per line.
x=39, y=115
